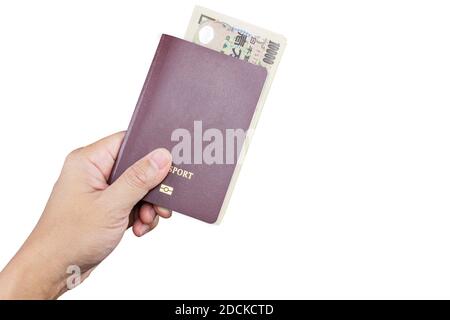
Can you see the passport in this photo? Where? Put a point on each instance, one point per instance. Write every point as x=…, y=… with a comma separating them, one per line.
x=197, y=103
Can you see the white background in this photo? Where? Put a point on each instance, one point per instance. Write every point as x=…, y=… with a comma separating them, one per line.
x=345, y=188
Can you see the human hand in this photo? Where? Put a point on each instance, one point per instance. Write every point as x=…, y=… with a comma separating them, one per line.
x=85, y=219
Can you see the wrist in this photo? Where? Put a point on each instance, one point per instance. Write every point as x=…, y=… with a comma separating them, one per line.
x=33, y=274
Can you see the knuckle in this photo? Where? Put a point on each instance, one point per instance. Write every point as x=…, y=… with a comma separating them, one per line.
x=73, y=155
x=137, y=177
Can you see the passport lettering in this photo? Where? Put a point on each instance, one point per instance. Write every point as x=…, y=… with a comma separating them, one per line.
x=181, y=172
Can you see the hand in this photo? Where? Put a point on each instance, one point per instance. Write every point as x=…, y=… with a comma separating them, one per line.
x=85, y=219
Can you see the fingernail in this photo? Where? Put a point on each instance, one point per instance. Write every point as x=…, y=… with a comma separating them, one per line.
x=145, y=229
x=164, y=211
x=161, y=157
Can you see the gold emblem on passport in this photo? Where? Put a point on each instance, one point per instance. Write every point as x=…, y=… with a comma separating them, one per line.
x=166, y=189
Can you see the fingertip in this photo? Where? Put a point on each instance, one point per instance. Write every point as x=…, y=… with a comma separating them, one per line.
x=161, y=157
x=140, y=228
x=147, y=213
x=163, y=212
x=135, y=229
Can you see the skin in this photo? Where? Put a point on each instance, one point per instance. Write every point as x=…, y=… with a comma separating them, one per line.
x=85, y=219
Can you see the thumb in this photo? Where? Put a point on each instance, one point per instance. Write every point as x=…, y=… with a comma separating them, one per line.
x=139, y=179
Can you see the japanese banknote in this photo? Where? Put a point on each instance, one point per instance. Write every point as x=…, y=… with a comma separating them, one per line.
x=235, y=38
x=240, y=40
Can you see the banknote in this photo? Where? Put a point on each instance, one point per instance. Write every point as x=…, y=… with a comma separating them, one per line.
x=237, y=43
x=243, y=41
x=238, y=39
x=235, y=38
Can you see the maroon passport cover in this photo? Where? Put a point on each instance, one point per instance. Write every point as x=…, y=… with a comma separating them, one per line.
x=186, y=83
